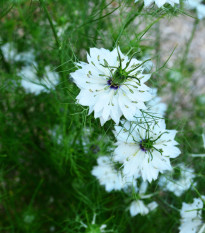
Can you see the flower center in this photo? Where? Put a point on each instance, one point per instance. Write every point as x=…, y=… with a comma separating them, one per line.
x=118, y=78
x=146, y=145
x=112, y=85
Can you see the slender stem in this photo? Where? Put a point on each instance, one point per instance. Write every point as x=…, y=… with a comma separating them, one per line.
x=157, y=44
x=188, y=45
x=64, y=78
x=50, y=22
x=129, y=21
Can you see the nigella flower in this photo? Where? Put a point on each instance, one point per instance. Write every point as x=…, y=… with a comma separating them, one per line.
x=109, y=176
x=180, y=185
x=31, y=82
x=191, y=216
x=112, y=85
x=159, y=3
x=138, y=206
x=145, y=148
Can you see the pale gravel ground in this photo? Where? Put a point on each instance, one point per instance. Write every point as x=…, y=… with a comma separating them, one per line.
x=176, y=32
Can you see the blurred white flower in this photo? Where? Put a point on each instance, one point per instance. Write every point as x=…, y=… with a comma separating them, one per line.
x=196, y=5
x=138, y=206
x=31, y=82
x=29, y=79
x=145, y=149
x=27, y=57
x=191, y=216
x=9, y=51
x=11, y=55
x=28, y=72
x=152, y=205
x=108, y=176
x=112, y=85
x=179, y=186
x=159, y=3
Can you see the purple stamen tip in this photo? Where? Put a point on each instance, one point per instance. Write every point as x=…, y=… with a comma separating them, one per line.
x=142, y=147
x=113, y=86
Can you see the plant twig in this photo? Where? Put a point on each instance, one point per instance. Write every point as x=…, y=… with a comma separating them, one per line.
x=51, y=23
x=188, y=45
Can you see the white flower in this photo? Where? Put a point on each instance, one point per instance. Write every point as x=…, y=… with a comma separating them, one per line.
x=109, y=176
x=27, y=57
x=145, y=149
x=178, y=187
x=33, y=84
x=138, y=206
x=10, y=54
x=112, y=85
x=191, y=216
x=9, y=51
x=198, y=5
x=29, y=77
x=152, y=205
x=159, y=3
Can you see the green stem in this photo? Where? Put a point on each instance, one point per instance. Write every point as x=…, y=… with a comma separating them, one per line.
x=129, y=21
x=157, y=44
x=51, y=23
x=64, y=78
x=188, y=45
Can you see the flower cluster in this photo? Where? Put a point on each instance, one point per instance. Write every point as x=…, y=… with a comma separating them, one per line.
x=28, y=73
x=114, y=86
